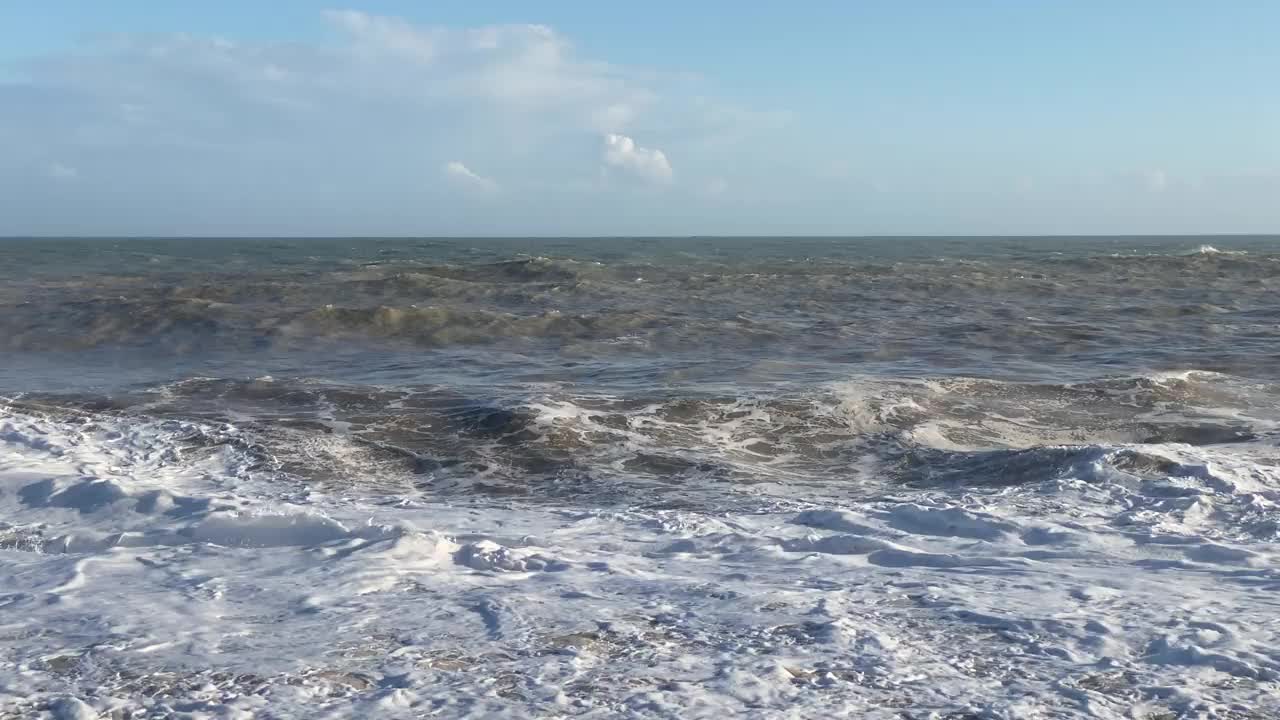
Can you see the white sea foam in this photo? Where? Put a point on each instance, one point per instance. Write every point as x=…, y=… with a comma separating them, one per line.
x=140, y=575
x=1211, y=250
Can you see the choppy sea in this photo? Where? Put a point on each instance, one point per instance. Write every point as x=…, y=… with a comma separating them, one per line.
x=632, y=477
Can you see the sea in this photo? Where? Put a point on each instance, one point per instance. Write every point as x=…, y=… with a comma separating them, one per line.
x=948, y=478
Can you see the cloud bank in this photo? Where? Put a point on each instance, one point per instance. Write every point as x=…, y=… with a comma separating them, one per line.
x=246, y=137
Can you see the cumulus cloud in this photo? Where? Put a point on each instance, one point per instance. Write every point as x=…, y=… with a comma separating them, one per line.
x=463, y=176
x=623, y=154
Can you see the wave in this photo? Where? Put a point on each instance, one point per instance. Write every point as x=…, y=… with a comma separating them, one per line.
x=441, y=326
x=124, y=529
x=1124, y=311
x=932, y=467
x=687, y=455
x=841, y=439
x=1211, y=250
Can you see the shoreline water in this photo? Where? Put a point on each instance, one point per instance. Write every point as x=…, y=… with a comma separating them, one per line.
x=650, y=479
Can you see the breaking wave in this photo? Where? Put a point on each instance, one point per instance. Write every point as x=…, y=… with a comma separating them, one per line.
x=840, y=440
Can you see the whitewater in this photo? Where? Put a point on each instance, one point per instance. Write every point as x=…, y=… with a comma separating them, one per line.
x=782, y=478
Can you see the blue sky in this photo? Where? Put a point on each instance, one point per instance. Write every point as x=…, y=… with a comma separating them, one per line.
x=513, y=118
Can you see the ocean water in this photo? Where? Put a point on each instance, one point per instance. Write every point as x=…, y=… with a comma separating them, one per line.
x=635, y=477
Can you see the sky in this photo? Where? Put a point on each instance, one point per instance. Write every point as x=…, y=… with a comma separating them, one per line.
x=441, y=117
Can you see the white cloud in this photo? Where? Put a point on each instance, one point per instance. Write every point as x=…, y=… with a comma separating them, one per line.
x=349, y=125
x=526, y=65
x=515, y=86
x=387, y=34
x=463, y=176
x=622, y=153
x=64, y=173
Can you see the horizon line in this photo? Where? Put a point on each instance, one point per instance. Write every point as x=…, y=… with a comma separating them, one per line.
x=824, y=236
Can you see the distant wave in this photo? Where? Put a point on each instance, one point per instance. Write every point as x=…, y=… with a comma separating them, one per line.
x=1211, y=250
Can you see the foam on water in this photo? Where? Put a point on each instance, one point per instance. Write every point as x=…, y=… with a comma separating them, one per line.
x=778, y=477
x=1211, y=250
x=146, y=573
